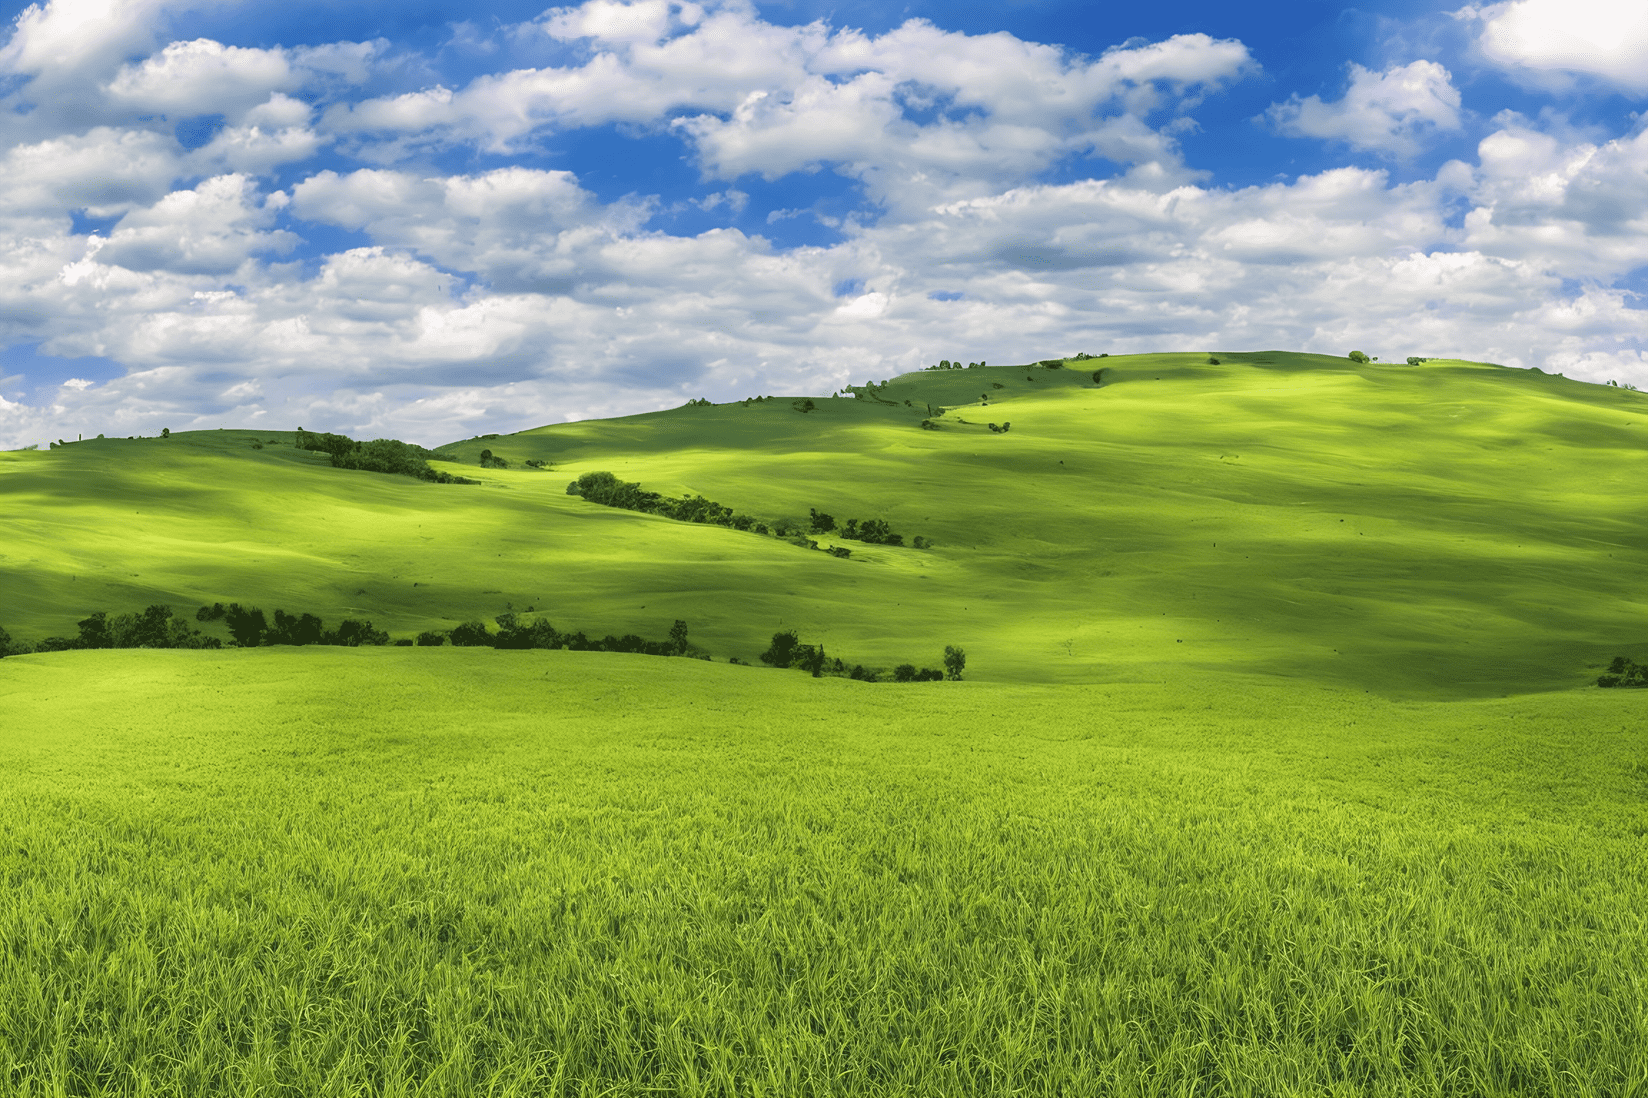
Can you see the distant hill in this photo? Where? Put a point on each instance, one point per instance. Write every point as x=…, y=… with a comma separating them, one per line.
x=1451, y=527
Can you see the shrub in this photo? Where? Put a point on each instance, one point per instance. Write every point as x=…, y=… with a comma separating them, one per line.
x=165, y=432
x=678, y=637
x=839, y=551
x=922, y=543
x=821, y=523
x=432, y=638
x=928, y=425
x=997, y=385
x=1211, y=361
x=1414, y=360
x=802, y=405
x=904, y=672
x=1358, y=356
x=213, y=612
x=761, y=528
x=534, y=463
x=955, y=661
x=1098, y=376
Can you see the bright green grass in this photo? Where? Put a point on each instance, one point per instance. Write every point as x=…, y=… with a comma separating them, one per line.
x=1452, y=528
x=458, y=871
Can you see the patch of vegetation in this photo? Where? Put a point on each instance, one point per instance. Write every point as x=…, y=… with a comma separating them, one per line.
x=786, y=650
x=1624, y=672
x=381, y=455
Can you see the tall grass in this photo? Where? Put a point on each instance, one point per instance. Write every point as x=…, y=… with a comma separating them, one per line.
x=453, y=872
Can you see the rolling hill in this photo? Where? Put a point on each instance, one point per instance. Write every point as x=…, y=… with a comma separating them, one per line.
x=1451, y=528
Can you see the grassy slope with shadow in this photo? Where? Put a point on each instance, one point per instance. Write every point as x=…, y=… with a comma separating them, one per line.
x=1453, y=527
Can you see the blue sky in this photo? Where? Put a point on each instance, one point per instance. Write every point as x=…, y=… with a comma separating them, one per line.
x=429, y=220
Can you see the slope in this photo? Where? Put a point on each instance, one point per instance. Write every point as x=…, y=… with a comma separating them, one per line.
x=1452, y=527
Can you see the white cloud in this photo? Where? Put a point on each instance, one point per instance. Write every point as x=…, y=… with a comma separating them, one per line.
x=1604, y=38
x=1389, y=112
x=917, y=109
x=204, y=77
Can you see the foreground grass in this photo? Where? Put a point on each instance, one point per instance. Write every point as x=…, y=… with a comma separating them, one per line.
x=451, y=872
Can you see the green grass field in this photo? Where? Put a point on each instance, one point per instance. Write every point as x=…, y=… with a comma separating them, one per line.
x=459, y=871
x=1278, y=769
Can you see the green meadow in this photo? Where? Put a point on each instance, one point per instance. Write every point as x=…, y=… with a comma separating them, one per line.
x=326, y=871
x=1278, y=767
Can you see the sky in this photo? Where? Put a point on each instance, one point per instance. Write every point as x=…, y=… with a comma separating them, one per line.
x=427, y=220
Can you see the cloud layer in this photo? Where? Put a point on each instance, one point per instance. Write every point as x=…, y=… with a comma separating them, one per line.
x=305, y=258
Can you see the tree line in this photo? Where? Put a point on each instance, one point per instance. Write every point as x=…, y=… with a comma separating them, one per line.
x=249, y=627
x=786, y=650
x=381, y=455
x=606, y=489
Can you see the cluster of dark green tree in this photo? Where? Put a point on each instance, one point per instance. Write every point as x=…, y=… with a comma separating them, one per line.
x=381, y=455
x=1624, y=672
x=946, y=364
x=787, y=650
x=870, y=532
x=250, y=628
x=515, y=632
x=609, y=491
x=155, y=627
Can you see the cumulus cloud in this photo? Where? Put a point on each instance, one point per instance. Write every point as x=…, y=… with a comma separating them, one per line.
x=1389, y=112
x=1602, y=38
x=917, y=107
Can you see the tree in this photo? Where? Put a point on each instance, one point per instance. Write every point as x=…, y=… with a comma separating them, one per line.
x=431, y=638
x=904, y=672
x=246, y=624
x=822, y=523
x=295, y=629
x=678, y=637
x=471, y=634
x=782, y=649
x=94, y=631
x=954, y=661
x=1357, y=356
x=353, y=634
x=165, y=432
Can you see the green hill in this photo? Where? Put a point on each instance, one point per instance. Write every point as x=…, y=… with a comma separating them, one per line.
x=1450, y=527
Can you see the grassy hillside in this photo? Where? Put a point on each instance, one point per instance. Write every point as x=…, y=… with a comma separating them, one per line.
x=458, y=871
x=1452, y=527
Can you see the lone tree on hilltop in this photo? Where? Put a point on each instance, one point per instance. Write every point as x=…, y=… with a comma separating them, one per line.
x=954, y=661
x=1357, y=356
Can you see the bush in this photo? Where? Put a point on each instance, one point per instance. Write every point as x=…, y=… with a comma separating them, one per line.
x=165, y=432
x=922, y=543
x=904, y=672
x=839, y=551
x=1414, y=360
x=821, y=523
x=1358, y=356
x=1052, y=363
x=1098, y=376
x=518, y=634
x=432, y=638
x=955, y=660
x=803, y=406
x=489, y=460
